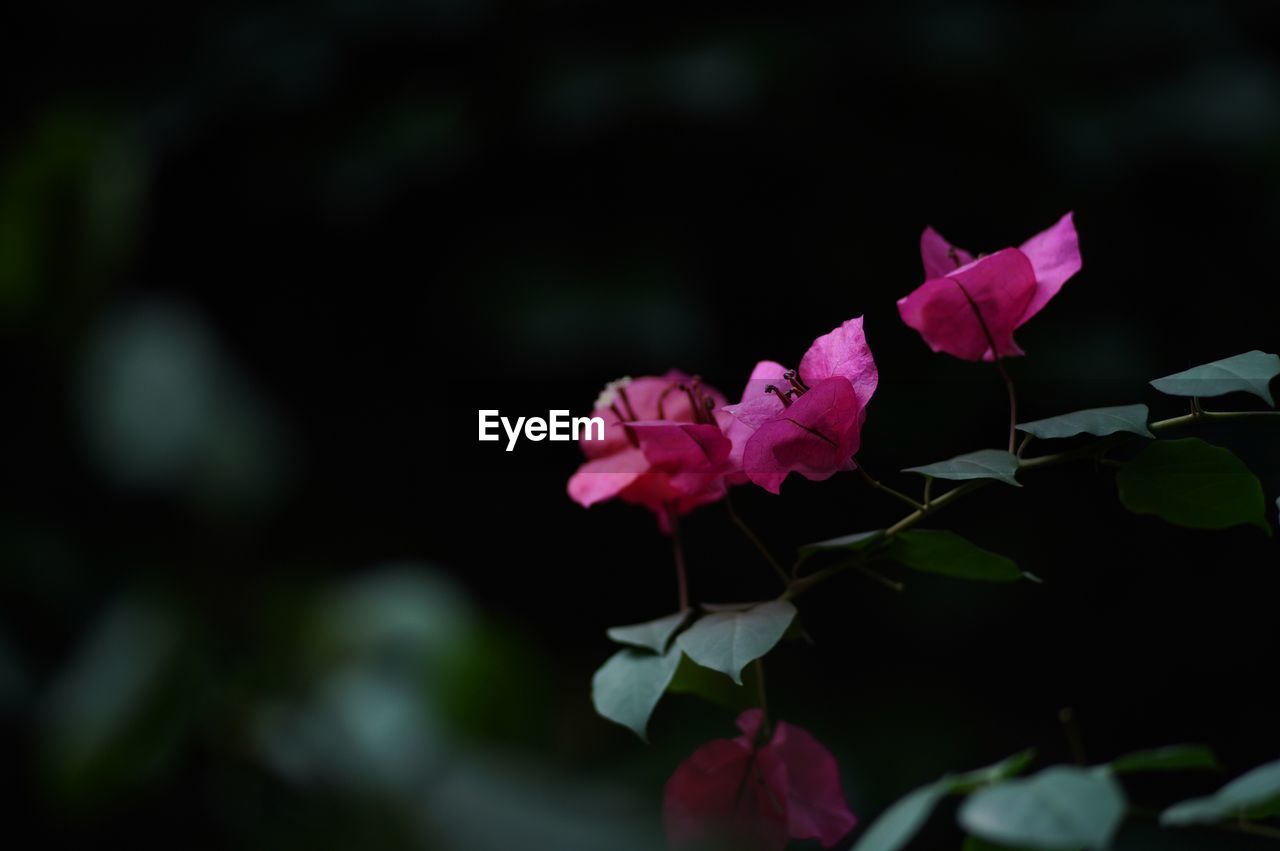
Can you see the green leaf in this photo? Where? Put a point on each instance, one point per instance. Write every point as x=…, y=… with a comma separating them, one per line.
x=856, y=542
x=1006, y=768
x=1250, y=372
x=1172, y=758
x=983, y=464
x=628, y=686
x=713, y=686
x=727, y=641
x=1096, y=421
x=948, y=554
x=1192, y=483
x=652, y=635
x=1061, y=807
x=1256, y=794
x=121, y=706
x=897, y=825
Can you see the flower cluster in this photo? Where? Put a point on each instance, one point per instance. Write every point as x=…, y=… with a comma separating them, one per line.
x=672, y=443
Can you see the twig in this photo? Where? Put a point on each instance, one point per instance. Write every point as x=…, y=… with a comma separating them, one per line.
x=677, y=549
x=755, y=540
x=867, y=477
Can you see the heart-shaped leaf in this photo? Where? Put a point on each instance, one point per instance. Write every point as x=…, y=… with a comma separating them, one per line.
x=983, y=464
x=628, y=686
x=652, y=635
x=1250, y=372
x=1096, y=421
x=1061, y=807
x=727, y=641
x=1194, y=484
x=948, y=554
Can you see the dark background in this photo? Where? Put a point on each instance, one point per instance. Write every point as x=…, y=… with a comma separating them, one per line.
x=261, y=263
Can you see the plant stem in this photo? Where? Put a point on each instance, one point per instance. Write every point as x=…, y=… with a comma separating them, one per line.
x=866, y=477
x=941, y=502
x=755, y=540
x=677, y=549
x=1187, y=419
x=761, y=694
x=1013, y=401
x=1067, y=717
x=995, y=357
x=880, y=578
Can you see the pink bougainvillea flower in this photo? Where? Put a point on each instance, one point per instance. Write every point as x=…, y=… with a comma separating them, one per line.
x=807, y=421
x=758, y=795
x=969, y=307
x=663, y=447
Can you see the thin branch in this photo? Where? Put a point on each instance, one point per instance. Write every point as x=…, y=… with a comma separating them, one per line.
x=867, y=477
x=995, y=357
x=755, y=540
x=1187, y=419
x=761, y=694
x=677, y=549
x=1067, y=717
x=1013, y=400
x=880, y=578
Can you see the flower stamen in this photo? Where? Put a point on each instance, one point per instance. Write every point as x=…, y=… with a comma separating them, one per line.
x=785, y=397
x=793, y=378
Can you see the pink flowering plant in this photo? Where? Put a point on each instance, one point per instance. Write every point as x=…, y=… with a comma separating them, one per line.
x=673, y=444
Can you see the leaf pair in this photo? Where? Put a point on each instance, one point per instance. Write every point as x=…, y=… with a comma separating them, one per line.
x=725, y=639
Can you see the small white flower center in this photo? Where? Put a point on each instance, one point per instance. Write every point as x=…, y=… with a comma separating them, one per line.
x=609, y=394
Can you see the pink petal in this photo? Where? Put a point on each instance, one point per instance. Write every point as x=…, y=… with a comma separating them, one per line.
x=757, y=406
x=816, y=807
x=1055, y=256
x=693, y=459
x=721, y=792
x=681, y=446
x=604, y=478
x=815, y=436
x=940, y=257
x=843, y=352
x=943, y=309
